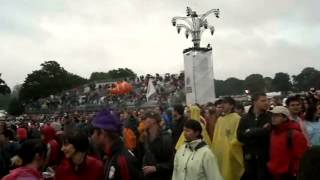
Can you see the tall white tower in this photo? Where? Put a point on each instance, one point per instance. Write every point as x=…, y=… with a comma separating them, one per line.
x=198, y=65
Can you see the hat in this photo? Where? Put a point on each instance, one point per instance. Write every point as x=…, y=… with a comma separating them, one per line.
x=195, y=112
x=48, y=132
x=22, y=133
x=107, y=120
x=280, y=110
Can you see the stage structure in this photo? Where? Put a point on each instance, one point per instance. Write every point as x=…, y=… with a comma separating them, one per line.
x=198, y=65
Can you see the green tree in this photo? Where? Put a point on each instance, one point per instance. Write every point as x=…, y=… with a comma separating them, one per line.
x=308, y=78
x=96, y=76
x=115, y=74
x=234, y=86
x=15, y=107
x=255, y=83
x=4, y=101
x=122, y=73
x=50, y=79
x=4, y=88
x=219, y=88
x=268, y=83
x=281, y=82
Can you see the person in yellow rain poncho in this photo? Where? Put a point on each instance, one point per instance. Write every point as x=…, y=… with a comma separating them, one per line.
x=193, y=113
x=225, y=144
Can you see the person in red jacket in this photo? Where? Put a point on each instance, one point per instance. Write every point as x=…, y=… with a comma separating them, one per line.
x=77, y=165
x=287, y=145
x=48, y=137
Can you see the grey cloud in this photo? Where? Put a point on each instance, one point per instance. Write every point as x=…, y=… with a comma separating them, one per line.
x=85, y=36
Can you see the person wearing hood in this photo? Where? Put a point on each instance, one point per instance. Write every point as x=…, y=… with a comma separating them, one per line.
x=287, y=145
x=33, y=154
x=120, y=163
x=77, y=164
x=194, y=112
x=225, y=144
x=48, y=137
x=194, y=159
x=22, y=135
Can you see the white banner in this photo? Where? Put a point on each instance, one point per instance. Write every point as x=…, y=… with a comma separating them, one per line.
x=151, y=89
x=199, y=84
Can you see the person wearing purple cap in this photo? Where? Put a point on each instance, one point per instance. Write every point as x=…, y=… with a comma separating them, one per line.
x=120, y=163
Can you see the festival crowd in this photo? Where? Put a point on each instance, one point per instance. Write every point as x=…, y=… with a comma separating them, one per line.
x=215, y=141
x=169, y=88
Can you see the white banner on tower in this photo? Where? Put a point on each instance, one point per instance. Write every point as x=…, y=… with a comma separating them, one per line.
x=199, y=83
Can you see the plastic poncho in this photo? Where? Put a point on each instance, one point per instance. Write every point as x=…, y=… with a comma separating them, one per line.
x=227, y=148
x=195, y=115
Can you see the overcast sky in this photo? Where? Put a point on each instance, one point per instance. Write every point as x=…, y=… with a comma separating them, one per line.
x=84, y=36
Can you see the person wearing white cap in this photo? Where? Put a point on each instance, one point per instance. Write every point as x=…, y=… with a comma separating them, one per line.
x=287, y=145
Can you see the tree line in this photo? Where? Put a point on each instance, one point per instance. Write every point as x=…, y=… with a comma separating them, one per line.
x=308, y=78
x=52, y=79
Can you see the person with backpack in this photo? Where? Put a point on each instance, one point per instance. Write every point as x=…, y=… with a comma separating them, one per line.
x=287, y=145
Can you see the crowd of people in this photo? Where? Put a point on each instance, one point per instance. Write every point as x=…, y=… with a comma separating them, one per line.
x=169, y=88
x=215, y=141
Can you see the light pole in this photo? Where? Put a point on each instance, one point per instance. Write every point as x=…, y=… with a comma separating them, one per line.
x=198, y=64
x=194, y=24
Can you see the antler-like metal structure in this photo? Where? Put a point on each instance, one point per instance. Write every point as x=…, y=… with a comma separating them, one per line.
x=194, y=24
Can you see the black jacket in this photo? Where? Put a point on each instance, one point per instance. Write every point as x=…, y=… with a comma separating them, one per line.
x=121, y=164
x=159, y=153
x=4, y=161
x=178, y=125
x=256, y=141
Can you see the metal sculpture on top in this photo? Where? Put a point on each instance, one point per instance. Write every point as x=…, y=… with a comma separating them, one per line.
x=194, y=24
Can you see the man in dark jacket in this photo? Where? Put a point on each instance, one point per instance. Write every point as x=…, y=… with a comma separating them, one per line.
x=120, y=164
x=158, y=156
x=254, y=133
x=178, y=122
